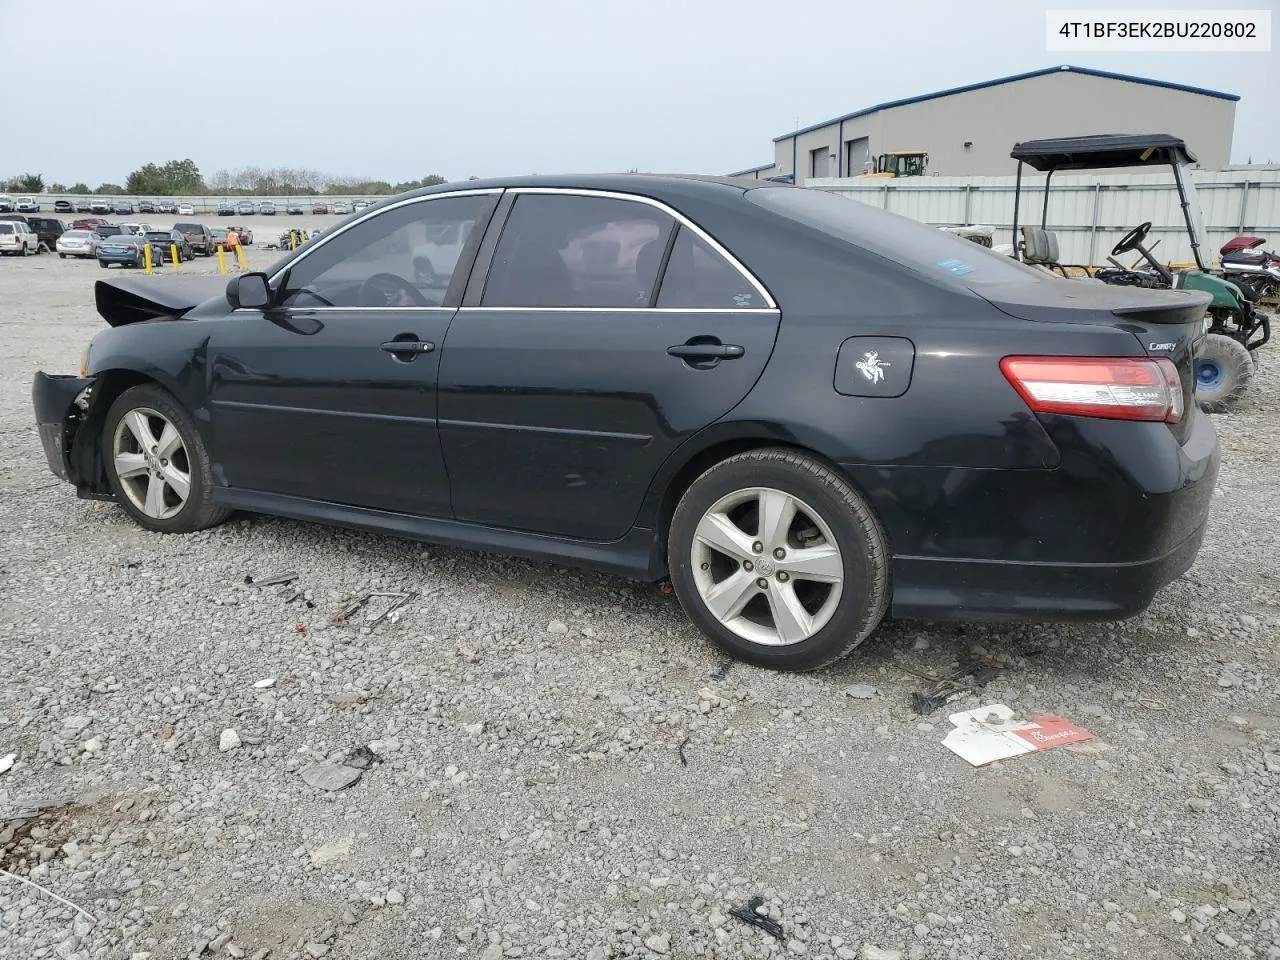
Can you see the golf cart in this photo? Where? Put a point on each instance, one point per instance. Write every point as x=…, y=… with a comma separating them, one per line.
x=1234, y=326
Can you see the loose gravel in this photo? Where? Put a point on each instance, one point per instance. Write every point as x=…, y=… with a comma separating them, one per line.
x=528, y=761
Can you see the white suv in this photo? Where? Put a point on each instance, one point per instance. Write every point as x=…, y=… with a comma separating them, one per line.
x=16, y=237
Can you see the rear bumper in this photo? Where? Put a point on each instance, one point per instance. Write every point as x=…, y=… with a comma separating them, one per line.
x=932, y=589
x=58, y=419
x=1095, y=538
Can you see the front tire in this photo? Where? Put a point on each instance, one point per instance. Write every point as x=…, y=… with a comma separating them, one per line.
x=779, y=560
x=1223, y=369
x=157, y=463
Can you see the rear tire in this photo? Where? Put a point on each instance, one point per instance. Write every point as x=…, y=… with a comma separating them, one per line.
x=1223, y=369
x=167, y=485
x=824, y=562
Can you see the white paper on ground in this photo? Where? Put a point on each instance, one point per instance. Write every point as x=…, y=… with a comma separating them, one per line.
x=993, y=732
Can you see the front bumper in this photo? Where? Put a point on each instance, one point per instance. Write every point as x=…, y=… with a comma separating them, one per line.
x=58, y=418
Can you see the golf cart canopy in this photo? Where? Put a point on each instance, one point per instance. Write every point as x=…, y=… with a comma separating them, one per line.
x=1103, y=150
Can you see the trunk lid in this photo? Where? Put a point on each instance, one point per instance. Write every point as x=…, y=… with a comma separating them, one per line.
x=1166, y=323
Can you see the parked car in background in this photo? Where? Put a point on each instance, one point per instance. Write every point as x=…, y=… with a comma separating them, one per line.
x=226, y=210
x=198, y=235
x=105, y=229
x=267, y=208
x=63, y=206
x=28, y=205
x=186, y=210
x=317, y=208
x=295, y=210
x=48, y=229
x=341, y=207
x=358, y=205
x=77, y=243
x=147, y=206
x=246, y=235
x=17, y=238
x=219, y=237
x=84, y=205
x=245, y=208
x=136, y=228
x=6, y=203
x=162, y=243
x=125, y=249
x=122, y=208
x=87, y=223
x=101, y=206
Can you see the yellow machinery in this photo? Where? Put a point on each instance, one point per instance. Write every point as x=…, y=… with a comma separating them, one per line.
x=900, y=163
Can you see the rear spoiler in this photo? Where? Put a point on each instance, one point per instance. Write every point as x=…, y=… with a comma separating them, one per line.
x=136, y=299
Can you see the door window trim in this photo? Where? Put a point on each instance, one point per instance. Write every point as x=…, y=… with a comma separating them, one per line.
x=485, y=260
x=369, y=214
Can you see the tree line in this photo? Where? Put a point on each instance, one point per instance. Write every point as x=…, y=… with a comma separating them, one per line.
x=182, y=178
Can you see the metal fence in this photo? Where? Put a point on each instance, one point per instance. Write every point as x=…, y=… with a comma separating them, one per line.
x=1089, y=213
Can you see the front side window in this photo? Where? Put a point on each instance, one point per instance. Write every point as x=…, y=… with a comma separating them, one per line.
x=577, y=251
x=402, y=257
x=697, y=277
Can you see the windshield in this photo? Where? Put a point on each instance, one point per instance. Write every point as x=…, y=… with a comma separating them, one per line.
x=1193, y=208
x=910, y=243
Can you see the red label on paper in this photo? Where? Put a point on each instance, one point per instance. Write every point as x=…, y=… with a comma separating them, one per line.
x=1052, y=732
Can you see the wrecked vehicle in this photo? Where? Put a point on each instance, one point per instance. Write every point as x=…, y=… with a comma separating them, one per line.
x=804, y=411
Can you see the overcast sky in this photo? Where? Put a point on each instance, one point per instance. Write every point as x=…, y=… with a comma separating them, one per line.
x=397, y=89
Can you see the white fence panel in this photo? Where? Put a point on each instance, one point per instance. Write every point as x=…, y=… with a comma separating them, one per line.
x=1089, y=212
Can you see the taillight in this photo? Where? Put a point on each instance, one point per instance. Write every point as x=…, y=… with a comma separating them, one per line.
x=1117, y=388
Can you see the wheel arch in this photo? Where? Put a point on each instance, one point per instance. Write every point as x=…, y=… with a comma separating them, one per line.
x=702, y=451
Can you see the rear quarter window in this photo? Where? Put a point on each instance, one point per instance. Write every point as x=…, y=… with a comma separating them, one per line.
x=909, y=243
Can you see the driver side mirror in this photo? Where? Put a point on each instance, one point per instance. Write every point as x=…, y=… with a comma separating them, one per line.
x=250, y=291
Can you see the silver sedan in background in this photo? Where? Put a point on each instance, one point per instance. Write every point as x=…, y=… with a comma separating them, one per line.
x=77, y=243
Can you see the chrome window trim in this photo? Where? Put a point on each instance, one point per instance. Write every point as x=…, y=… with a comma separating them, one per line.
x=295, y=309
x=770, y=303
x=613, y=309
x=369, y=214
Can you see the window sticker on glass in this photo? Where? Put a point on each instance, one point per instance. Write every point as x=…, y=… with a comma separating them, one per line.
x=957, y=267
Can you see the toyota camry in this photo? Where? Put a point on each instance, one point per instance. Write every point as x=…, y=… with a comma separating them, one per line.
x=807, y=413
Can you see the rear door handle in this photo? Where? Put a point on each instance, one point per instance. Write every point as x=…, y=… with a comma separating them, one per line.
x=707, y=351
x=405, y=349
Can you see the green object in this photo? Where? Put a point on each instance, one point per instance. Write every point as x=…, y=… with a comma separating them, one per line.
x=1225, y=294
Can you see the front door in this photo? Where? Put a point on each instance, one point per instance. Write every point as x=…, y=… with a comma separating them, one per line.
x=331, y=393
x=584, y=362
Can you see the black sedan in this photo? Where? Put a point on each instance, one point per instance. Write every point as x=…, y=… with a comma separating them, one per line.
x=804, y=411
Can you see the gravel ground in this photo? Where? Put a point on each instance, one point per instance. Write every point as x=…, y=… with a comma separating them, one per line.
x=562, y=767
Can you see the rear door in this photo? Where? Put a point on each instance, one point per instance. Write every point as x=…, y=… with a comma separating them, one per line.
x=570, y=373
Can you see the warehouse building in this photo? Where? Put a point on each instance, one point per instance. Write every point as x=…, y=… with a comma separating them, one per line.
x=969, y=131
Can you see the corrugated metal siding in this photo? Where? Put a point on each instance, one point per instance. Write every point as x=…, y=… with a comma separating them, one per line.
x=1089, y=212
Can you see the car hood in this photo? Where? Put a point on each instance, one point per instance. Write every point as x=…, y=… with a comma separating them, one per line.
x=133, y=300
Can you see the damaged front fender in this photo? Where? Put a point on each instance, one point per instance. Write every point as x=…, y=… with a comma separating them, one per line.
x=64, y=417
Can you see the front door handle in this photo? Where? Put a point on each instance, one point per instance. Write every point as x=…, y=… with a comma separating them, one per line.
x=407, y=349
x=706, y=351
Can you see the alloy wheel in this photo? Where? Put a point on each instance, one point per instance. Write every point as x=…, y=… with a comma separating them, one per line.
x=767, y=566
x=152, y=463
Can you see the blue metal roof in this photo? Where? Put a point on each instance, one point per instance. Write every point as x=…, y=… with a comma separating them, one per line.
x=1064, y=68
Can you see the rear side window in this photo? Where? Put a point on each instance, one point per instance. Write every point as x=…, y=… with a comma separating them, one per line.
x=6, y=228
x=561, y=250
x=697, y=277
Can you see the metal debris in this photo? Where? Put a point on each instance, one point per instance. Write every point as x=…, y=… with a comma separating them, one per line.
x=49, y=893
x=392, y=612
x=274, y=581
x=748, y=914
x=970, y=678
x=684, y=762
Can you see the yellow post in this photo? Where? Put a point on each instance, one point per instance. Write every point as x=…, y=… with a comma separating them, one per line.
x=173, y=253
x=244, y=264
x=293, y=239
x=146, y=255
x=222, y=260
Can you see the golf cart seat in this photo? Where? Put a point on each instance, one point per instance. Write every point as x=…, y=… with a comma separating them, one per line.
x=1039, y=246
x=1040, y=249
